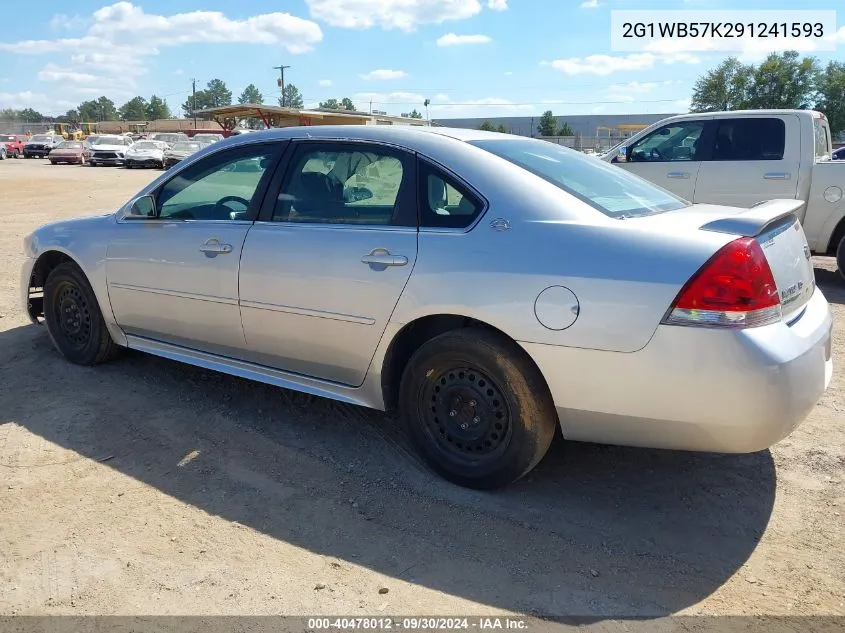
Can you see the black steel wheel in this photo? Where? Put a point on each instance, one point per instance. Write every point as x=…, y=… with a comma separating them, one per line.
x=73, y=317
x=477, y=408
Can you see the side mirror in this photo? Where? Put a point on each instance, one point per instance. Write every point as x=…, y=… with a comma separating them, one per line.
x=622, y=155
x=142, y=208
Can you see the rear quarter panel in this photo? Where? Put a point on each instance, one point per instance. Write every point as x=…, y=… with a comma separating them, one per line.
x=825, y=204
x=624, y=275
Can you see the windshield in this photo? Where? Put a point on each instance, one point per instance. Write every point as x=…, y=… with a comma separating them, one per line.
x=107, y=140
x=70, y=145
x=607, y=188
x=146, y=145
x=5, y=138
x=185, y=147
x=40, y=137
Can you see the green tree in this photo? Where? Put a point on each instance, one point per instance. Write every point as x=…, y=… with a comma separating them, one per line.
x=107, y=109
x=292, y=97
x=72, y=116
x=157, y=108
x=548, y=124
x=415, y=115
x=346, y=104
x=566, y=130
x=783, y=81
x=725, y=87
x=134, y=110
x=502, y=129
x=30, y=116
x=89, y=111
x=486, y=126
x=9, y=114
x=218, y=94
x=251, y=94
x=830, y=95
x=330, y=104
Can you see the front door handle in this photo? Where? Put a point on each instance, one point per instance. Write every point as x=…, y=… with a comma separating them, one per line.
x=215, y=247
x=383, y=257
x=777, y=176
x=678, y=174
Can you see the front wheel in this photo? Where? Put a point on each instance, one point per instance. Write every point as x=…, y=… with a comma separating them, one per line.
x=73, y=317
x=477, y=408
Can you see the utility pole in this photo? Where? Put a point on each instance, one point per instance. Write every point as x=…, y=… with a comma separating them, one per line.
x=281, y=70
x=194, y=100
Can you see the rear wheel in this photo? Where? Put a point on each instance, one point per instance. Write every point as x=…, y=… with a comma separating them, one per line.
x=477, y=408
x=52, y=162
x=840, y=257
x=73, y=317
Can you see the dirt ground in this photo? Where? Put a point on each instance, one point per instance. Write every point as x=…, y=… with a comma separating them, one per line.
x=148, y=487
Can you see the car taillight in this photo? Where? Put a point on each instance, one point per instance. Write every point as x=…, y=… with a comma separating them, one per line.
x=734, y=289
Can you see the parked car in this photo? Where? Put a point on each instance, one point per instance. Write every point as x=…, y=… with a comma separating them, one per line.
x=742, y=158
x=180, y=151
x=838, y=154
x=145, y=154
x=68, y=152
x=490, y=287
x=11, y=145
x=210, y=138
x=169, y=137
x=40, y=145
x=108, y=149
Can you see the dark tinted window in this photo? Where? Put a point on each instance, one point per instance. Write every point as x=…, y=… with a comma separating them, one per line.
x=444, y=203
x=749, y=139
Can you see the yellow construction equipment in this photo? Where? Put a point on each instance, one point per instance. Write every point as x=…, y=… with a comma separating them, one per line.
x=66, y=131
x=88, y=129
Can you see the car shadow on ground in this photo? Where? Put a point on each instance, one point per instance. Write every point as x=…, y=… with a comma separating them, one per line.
x=832, y=284
x=594, y=530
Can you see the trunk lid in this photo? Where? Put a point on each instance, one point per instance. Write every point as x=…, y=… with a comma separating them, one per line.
x=775, y=226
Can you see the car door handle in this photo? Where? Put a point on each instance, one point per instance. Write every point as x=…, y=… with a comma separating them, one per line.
x=678, y=174
x=214, y=246
x=381, y=257
x=777, y=176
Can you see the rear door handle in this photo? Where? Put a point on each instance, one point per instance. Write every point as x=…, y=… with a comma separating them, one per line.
x=214, y=246
x=678, y=174
x=383, y=257
x=777, y=176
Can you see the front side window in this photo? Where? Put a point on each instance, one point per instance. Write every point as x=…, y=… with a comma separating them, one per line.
x=749, y=138
x=615, y=192
x=675, y=142
x=342, y=185
x=217, y=188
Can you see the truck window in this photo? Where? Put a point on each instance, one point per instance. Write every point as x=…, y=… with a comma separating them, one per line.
x=749, y=139
x=822, y=134
x=674, y=142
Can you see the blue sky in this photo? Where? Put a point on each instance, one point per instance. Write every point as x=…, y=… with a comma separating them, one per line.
x=469, y=57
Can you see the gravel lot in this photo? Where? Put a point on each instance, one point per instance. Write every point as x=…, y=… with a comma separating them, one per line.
x=149, y=487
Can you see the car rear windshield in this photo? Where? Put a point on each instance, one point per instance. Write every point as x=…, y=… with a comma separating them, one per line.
x=40, y=137
x=70, y=145
x=4, y=138
x=605, y=187
x=185, y=147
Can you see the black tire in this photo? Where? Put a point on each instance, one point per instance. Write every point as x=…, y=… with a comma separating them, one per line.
x=477, y=408
x=73, y=317
x=840, y=257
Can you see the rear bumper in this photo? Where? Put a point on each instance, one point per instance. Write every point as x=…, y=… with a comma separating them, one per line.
x=695, y=388
x=105, y=161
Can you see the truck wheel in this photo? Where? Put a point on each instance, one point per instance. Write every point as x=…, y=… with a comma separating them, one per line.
x=840, y=257
x=477, y=408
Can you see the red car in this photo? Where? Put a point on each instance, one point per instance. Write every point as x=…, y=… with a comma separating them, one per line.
x=11, y=145
x=69, y=152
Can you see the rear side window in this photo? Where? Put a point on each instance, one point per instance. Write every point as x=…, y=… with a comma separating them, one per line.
x=822, y=138
x=749, y=139
x=444, y=203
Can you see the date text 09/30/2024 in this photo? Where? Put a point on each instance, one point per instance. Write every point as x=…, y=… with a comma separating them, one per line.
x=417, y=624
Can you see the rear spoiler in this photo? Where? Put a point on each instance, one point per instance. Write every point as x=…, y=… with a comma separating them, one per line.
x=753, y=221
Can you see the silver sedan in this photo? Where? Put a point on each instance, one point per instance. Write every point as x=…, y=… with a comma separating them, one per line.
x=492, y=288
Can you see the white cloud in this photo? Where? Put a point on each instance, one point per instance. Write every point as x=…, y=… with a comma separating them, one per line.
x=325, y=82
x=590, y=4
x=392, y=14
x=486, y=107
x=35, y=100
x=497, y=5
x=508, y=73
x=128, y=27
x=178, y=71
x=607, y=64
x=384, y=74
x=839, y=36
x=683, y=105
x=119, y=65
x=634, y=87
x=52, y=72
x=60, y=21
x=452, y=39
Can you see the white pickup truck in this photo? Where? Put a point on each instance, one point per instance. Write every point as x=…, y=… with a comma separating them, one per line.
x=742, y=158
